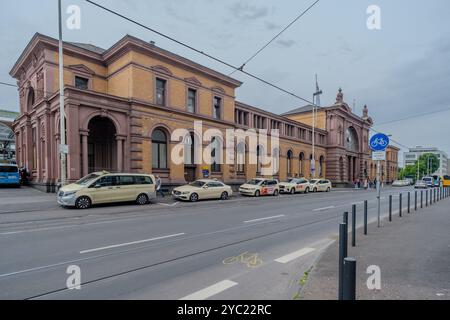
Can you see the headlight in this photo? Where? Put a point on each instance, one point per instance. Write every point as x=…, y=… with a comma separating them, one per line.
x=185, y=192
x=70, y=193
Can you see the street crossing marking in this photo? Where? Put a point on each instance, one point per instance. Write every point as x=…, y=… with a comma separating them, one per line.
x=267, y=218
x=130, y=243
x=294, y=255
x=210, y=291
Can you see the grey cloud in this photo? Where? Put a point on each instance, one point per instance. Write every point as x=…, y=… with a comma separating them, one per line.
x=286, y=43
x=247, y=11
x=271, y=26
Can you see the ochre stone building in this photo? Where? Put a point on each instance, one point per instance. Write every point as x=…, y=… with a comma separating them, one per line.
x=122, y=105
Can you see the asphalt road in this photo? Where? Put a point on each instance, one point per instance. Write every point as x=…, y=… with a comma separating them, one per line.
x=241, y=248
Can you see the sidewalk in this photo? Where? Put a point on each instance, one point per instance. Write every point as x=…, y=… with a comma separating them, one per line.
x=413, y=253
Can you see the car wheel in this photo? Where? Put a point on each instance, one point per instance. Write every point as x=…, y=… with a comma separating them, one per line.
x=83, y=202
x=292, y=190
x=142, y=199
x=193, y=197
x=307, y=190
x=257, y=193
x=315, y=190
x=328, y=189
x=224, y=196
x=275, y=193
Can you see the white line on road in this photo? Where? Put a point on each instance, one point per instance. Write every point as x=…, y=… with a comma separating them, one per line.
x=130, y=243
x=210, y=291
x=267, y=218
x=168, y=204
x=294, y=255
x=325, y=208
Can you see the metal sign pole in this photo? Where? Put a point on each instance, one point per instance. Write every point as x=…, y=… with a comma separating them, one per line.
x=378, y=194
x=62, y=131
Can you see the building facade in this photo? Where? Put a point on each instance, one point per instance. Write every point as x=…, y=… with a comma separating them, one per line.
x=410, y=158
x=122, y=106
x=348, y=153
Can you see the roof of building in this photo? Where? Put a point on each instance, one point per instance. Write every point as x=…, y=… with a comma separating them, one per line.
x=88, y=46
x=8, y=115
x=306, y=108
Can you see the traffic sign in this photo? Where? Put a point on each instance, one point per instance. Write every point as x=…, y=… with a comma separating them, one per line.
x=379, y=142
x=379, y=155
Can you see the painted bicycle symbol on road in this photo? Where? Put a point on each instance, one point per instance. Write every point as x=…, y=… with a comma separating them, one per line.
x=251, y=260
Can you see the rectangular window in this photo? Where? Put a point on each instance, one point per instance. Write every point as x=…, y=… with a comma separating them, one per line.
x=81, y=83
x=161, y=92
x=217, y=108
x=192, y=100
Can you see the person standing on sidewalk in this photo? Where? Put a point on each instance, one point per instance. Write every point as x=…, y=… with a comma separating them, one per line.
x=158, y=186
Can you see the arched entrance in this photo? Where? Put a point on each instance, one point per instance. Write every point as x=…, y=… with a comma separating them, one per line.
x=102, y=146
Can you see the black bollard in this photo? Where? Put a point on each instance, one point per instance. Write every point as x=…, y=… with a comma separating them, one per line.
x=349, y=279
x=415, y=200
x=409, y=207
x=365, y=217
x=400, y=205
x=354, y=225
x=342, y=256
x=390, y=207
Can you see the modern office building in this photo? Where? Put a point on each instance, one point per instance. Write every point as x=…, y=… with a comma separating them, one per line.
x=7, y=141
x=409, y=158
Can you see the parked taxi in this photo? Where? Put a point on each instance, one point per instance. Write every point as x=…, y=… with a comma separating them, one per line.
x=260, y=187
x=202, y=189
x=320, y=185
x=105, y=187
x=293, y=185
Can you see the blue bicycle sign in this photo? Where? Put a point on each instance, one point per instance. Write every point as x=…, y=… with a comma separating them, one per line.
x=379, y=142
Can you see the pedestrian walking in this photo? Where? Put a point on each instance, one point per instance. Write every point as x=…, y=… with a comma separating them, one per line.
x=158, y=186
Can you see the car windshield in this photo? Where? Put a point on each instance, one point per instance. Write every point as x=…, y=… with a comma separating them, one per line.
x=87, y=179
x=254, y=182
x=313, y=181
x=9, y=169
x=197, y=184
x=292, y=180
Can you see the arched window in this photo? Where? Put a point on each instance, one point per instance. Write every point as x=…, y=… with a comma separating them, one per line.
x=30, y=101
x=159, y=149
x=289, y=157
x=216, y=154
x=301, y=163
x=321, y=161
x=351, y=140
x=189, y=149
x=275, y=161
x=240, y=157
x=259, y=155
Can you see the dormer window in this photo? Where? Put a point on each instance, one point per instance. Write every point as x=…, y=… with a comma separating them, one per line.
x=81, y=83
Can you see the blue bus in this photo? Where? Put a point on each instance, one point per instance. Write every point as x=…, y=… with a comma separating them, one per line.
x=9, y=175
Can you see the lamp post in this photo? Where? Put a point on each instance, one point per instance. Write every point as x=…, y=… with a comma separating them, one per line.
x=316, y=102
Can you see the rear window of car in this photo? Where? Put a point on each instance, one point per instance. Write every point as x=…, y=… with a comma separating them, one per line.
x=9, y=169
x=142, y=180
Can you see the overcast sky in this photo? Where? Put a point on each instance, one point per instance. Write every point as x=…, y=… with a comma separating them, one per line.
x=399, y=71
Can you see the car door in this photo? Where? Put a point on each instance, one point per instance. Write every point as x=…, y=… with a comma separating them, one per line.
x=103, y=190
x=126, y=188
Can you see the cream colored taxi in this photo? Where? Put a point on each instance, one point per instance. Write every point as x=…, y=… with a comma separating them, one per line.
x=294, y=185
x=105, y=187
x=260, y=187
x=320, y=185
x=202, y=189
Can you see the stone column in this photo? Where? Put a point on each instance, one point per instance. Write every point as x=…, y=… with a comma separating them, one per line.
x=119, y=141
x=84, y=151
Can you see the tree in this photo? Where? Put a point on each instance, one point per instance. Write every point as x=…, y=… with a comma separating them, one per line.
x=428, y=164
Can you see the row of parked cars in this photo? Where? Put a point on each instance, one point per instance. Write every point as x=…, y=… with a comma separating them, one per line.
x=105, y=187
x=214, y=189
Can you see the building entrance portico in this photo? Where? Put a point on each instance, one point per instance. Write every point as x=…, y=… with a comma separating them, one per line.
x=101, y=145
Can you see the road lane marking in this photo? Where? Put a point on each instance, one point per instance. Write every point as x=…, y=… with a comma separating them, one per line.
x=210, y=291
x=130, y=243
x=168, y=204
x=325, y=208
x=267, y=218
x=294, y=255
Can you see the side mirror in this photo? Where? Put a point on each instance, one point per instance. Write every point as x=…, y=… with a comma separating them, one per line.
x=97, y=186
x=205, y=187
